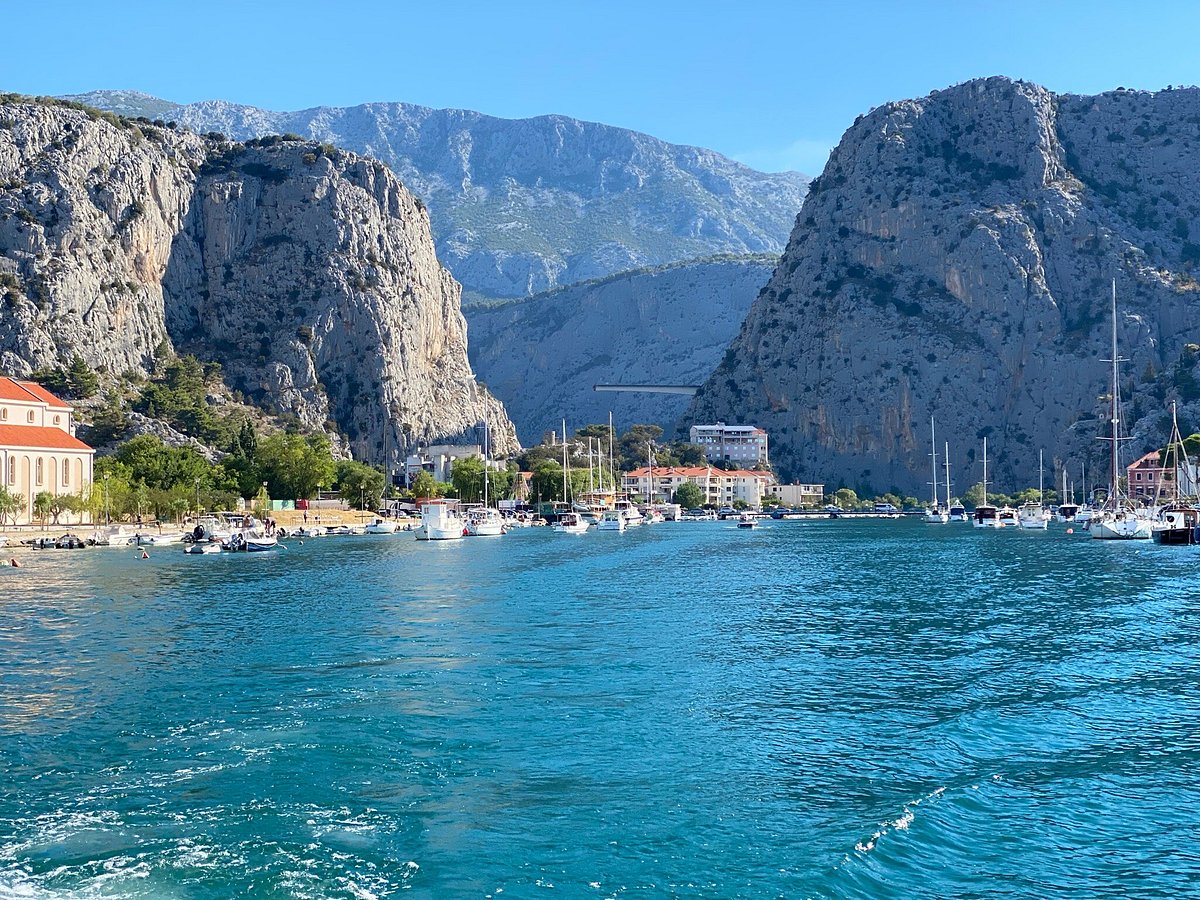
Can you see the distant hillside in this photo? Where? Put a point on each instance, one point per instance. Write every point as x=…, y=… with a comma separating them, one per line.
x=542, y=355
x=521, y=205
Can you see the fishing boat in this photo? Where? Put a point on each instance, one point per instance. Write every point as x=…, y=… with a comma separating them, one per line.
x=570, y=523
x=310, y=531
x=1117, y=519
x=1178, y=520
x=986, y=515
x=936, y=514
x=440, y=521
x=1035, y=515
x=250, y=542
x=611, y=520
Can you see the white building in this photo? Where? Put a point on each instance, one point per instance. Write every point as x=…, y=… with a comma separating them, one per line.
x=39, y=452
x=744, y=445
x=438, y=460
x=720, y=487
x=798, y=494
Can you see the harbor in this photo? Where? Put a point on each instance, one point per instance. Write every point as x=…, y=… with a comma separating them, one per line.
x=661, y=711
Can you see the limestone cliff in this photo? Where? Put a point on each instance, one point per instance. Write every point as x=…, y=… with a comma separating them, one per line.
x=522, y=205
x=954, y=260
x=543, y=355
x=309, y=273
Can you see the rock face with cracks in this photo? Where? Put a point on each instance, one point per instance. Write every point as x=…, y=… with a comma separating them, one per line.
x=309, y=273
x=954, y=260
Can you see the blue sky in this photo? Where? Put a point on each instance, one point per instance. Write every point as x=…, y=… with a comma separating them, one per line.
x=771, y=84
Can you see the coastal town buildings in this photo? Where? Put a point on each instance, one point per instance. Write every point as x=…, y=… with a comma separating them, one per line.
x=798, y=494
x=743, y=445
x=438, y=460
x=39, y=452
x=721, y=487
x=1147, y=478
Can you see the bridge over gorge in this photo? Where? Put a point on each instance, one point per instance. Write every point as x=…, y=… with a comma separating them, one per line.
x=688, y=390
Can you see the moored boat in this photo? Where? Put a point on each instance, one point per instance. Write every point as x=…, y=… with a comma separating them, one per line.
x=570, y=523
x=440, y=521
x=745, y=520
x=1117, y=519
x=484, y=521
x=611, y=520
x=381, y=526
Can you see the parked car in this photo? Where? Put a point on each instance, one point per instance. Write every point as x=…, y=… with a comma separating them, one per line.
x=885, y=508
x=833, y=508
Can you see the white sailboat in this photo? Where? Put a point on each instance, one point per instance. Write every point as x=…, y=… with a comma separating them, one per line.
x=1117, y=520
x=483, y=521
x=568, y=522
x=1035, y=515
x=1067, y=510
x=986, y=515
x=936, y=515
x=956, y=511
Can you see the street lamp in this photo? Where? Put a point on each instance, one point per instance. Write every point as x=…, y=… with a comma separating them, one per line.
x=107, y=519
x=197, y=496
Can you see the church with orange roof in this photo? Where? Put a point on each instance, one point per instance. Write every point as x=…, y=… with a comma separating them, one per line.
x=38, y=448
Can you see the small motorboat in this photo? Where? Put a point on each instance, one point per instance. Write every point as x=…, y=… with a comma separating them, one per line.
x=202, y=548
x=571, y=523
x=745, y=520
x=382, y=526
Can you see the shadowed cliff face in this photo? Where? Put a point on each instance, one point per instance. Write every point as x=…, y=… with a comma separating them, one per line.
x=309, y=275
x=544, y=355
x=954, y=260
x=522, y=205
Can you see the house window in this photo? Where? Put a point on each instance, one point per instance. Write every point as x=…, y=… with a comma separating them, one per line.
x=38, y=468
x=4, y=414
x=66, y=473
x=12, y=470
x=58, y=420
x=30, y=416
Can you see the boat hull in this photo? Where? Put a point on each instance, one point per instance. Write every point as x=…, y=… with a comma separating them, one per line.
x=1121, y=529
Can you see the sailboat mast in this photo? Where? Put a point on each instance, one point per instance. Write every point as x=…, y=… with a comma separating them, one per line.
x=946, y=462
x=1041, y=474
x=985, y=472
x=612, y=467
x=1112, y=489
x=565, y=499
x=485, y=463
x=933, y=454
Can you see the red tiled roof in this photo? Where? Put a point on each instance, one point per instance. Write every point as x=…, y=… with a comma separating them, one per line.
x=28, y=392
x=12, y=390
x=40, y=393
x=40, y=438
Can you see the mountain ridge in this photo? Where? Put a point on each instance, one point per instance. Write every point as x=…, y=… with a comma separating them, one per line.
x=521, y=205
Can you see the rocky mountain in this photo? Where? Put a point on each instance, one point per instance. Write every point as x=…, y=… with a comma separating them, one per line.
x=543, y=355
x=521, y=205
x=307, y=272
x=954, y=260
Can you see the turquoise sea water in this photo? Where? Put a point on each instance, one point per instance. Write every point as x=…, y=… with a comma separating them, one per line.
x=827, y=709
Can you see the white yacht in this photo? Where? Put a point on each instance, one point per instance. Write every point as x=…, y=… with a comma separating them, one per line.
x=611, y=520
x=382, y=526
x=571, y=523
x=484, y=521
